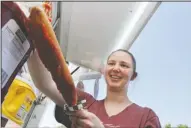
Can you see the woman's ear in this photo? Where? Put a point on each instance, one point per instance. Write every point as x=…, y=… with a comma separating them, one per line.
x=134, y=76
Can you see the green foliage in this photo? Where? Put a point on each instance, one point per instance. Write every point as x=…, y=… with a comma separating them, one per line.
x=179, y=126
x=182, y=126
x=168, y=126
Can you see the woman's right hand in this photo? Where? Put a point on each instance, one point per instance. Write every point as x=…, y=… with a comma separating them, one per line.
x=85, y=119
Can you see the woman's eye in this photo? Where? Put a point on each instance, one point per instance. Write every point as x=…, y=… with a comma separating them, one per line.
x=125, y=66
x=110, y=63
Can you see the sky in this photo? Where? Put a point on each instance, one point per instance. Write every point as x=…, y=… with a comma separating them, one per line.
x=163, y=55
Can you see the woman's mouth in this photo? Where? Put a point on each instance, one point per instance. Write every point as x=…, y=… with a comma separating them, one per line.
x=116, y=78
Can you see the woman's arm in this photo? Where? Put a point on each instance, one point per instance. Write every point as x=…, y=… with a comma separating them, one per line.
x=43, y=80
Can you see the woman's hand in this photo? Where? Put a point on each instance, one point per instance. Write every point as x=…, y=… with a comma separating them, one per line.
x=85, y=119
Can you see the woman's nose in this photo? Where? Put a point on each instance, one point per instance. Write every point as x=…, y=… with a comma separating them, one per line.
x=116, y=68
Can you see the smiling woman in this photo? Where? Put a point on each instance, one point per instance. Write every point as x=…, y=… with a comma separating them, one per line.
x=115, y=64
x=116, y=110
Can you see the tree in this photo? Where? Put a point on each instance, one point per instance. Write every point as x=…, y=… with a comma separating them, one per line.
x=179, y=126
x=182, y=126
x=168, y=126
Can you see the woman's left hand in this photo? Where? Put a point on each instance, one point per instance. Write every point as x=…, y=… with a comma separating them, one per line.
x=85, y=119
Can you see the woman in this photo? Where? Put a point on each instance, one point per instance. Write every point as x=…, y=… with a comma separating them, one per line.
x=116, y=110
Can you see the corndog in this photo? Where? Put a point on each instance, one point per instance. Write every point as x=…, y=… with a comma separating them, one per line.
x=47, y=46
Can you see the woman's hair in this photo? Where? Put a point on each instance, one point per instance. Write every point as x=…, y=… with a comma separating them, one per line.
x=132, y=57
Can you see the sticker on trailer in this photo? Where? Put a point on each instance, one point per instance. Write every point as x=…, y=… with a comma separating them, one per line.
x=14, y=47
x=22, y=113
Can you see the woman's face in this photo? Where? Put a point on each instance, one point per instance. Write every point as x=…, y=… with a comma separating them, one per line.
x=118, y=70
